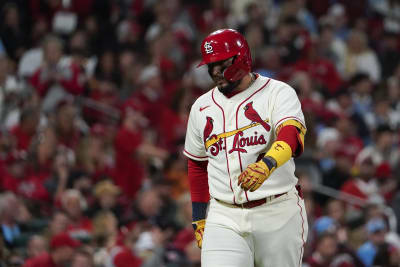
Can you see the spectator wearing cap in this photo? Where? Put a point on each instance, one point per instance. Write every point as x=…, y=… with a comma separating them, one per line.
x=62, y=248
x=340, y=172
x=364, y=185
x=376, y=230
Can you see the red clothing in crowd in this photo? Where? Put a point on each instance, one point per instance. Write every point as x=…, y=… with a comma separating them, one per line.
x=72, y=80
x=30, y=187
x=183, y=238
x=121, y=256
x=129, y=171
x=150, y=108
x=352, y=146
x=81, y=228
x=43, y=260
x=70, y=140
x=321, y=71
x=172, y=129
x=23, y=138
x=351, y=187
x=42, y=171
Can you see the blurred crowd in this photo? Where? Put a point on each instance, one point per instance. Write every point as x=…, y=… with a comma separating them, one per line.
x=94, y=99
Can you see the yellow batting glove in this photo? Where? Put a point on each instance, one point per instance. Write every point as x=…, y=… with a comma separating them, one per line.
x=254, y=176
x=199, y=231
x=256, y=173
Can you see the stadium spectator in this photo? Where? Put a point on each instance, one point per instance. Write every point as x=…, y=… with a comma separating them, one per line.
x=36, y=246
x=62, y=249
x=376, y=230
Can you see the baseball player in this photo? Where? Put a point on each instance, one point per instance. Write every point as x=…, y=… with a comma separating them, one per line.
x=241, y=138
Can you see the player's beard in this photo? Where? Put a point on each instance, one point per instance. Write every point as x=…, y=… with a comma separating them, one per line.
x=228, y=88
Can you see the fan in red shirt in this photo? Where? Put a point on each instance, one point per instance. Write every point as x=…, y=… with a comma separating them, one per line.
x=131, y=153
x=26, y=129
x=322, y=71
x=56, y=71
x=15, y=179
x=74, y=204
x=364, y=185
x=62, y=248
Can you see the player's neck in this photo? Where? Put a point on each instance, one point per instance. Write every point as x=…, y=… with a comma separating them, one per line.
x=246, y=82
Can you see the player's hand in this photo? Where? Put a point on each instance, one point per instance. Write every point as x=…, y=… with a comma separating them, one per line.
x=199, y=231
x=254, y=176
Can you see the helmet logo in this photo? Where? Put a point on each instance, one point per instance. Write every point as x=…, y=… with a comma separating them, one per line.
x=208, y=47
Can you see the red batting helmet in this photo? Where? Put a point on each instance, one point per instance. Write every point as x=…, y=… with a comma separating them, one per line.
x=224, y=44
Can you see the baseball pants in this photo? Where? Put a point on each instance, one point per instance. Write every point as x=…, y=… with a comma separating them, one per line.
x=269, y=235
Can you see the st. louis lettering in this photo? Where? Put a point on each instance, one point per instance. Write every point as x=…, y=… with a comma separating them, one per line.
x=240, y=142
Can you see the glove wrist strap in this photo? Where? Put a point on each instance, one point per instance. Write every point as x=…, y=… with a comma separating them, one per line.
x=199, y=210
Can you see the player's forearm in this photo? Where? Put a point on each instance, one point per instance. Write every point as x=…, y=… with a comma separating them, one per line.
x=198, y=181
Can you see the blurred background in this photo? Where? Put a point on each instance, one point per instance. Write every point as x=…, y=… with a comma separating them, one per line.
x=94, y=99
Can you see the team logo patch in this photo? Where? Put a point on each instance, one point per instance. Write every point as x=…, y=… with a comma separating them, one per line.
x=208, y=129
x=208, y=47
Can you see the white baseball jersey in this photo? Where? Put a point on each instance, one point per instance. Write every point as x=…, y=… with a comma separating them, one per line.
x=233, y=132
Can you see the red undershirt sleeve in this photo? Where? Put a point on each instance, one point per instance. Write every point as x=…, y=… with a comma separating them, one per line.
x=289, y=134
x=198, y=180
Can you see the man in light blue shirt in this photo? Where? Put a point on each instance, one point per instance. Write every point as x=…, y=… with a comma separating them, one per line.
x=376, y=229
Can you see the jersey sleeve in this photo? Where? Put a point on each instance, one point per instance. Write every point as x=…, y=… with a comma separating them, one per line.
x=194, y=147
x=287, y=107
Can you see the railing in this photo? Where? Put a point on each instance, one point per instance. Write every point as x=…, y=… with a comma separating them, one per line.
x=356, y=201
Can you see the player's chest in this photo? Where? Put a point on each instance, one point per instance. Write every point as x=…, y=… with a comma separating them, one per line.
x=235, y=126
